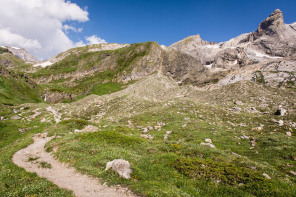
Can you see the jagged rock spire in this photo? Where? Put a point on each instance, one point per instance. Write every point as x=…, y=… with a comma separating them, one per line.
x=273, y=24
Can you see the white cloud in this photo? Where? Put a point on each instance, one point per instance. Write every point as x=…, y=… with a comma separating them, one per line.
x=38, y=25
x=72, y=28
x=14, y=39
x=95, y=40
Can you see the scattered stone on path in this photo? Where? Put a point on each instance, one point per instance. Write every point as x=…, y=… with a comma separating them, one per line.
x=289, y=133
x=122, y=167
x=41, y=135
x=147, y=136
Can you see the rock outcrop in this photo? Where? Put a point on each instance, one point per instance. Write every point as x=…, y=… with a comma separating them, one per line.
x=271, y=47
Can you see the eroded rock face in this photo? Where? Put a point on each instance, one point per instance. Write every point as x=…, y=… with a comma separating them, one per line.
x=271, y=47
x=122, y=167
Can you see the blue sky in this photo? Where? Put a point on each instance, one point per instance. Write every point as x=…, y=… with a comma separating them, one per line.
x=167, y=21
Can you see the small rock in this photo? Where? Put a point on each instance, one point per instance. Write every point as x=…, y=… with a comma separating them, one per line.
x=41, y=135
x=16, y=111
x=281, y=123
x=253, y=142
x=257, y=129
x=280, y=112
x=90, y=128
x=147, y=136
x=244, y=137
x=150, y=128
x=254, y=110
x=208, y=141
x=289, y=133
x=145, y=131
x=237, y=109
x=169, y=132
x=293, y=172
x=238, y=103
x=16, y=117
x=208, y=144
x=266, y=175
x=157, y=127
x=122, y=167
x=166, y=136
x=130, y=124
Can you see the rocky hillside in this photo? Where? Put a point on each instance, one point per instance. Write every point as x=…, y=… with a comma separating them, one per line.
x=252, y=55
x=84, y=70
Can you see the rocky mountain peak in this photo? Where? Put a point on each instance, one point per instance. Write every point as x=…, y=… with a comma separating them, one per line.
x=22, y=53
x=272, y=24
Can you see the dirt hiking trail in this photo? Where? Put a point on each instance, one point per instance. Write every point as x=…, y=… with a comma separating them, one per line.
x=32, y=158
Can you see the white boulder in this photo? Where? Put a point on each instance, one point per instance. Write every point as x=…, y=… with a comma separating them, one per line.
x=122, y=167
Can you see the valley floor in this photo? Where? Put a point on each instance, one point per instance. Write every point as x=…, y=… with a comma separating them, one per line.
x=180, y=141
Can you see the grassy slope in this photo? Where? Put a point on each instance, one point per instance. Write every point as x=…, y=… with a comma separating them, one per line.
x=101, y=82
x=15, y=89
x=181, y=166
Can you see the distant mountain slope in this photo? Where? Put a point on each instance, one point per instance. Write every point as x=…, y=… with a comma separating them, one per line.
x=17, y=88
x=83, y=71
x=22, y=53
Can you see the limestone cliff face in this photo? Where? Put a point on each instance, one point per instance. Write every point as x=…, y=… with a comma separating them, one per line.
x=272, y=41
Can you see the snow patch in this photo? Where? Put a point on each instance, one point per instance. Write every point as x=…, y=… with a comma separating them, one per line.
x=209, y=65
x=212, y=46
x=264, y=55
x=43, y=64
x=235, y=62
x=164, y=47
x=16, y=48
